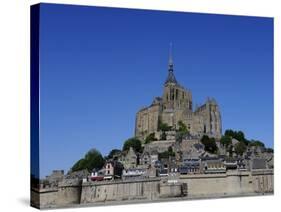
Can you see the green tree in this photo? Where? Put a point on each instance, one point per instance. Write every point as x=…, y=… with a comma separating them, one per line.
x=240, y=148
x=256, y=143
x=167, y=154
x=163, y=126
x=134, y=143
x=226, y=140
x=182, y=127
x=229, y=133
x=182, y=132
x=209, y=143
x=246, y=142
x=79, y=165
x=150, y=137
x=93, y=159
x=112, y=153
x=238, y=135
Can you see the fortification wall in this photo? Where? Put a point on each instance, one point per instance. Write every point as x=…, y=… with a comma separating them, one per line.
x=69, y=192
x=228, y=184
x=46, y=198
x=171, y=190
x=118, y=191
x=195, y=186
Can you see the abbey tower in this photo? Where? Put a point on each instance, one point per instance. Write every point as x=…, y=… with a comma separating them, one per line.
x=176, y=105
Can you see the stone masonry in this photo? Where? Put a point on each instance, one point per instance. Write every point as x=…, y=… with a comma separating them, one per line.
x=176, y=105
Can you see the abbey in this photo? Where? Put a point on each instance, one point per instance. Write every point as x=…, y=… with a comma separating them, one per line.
x=176, y=105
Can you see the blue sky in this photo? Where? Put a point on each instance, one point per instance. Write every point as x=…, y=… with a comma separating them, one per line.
x=99, y=66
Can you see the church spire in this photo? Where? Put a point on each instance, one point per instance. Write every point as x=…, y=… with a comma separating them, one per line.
x=171, y=64
x=171, y=77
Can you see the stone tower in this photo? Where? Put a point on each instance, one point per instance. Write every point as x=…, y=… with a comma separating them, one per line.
x=176, y=100
x=176, y=105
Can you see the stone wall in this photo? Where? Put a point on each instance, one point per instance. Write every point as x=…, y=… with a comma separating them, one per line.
x=207, y=120
x=159, y=146
x=228, y=184
x=263, y=181
x=147, y=121
x=195, y=186
x=46, y=198
x=171, y=190
x=69, y=192
x=120, y=191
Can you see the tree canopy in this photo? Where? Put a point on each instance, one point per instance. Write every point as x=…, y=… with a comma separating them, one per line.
x=240, y=148
x=182, y=132
x=112, y=153
x=167, y=154
x=163, y=126
x=93, y=159
x=226, y=140
x=150, y=137
x=182, y=127
x=134, y=143
x=256, y=143
x=238, y=135
x=209, y=143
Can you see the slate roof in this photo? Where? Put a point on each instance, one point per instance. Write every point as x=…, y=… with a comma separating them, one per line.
x=259, y=163
x=171, y=78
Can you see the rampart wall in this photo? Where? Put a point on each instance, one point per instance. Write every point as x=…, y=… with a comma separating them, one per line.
x=70, y=193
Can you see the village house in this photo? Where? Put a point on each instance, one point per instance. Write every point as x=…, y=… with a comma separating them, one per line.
x=213, y=166
x=148, y=159
x=190, y=166
x=145, y=159
x=230, y=163
x=259, y=163
x=129, y=159
x=97, y=175
x=153, y=157
x=112, y=170
x=133, y=173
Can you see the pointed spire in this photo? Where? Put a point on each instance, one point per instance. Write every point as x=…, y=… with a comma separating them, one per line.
x=171, y=77
x=171, y=64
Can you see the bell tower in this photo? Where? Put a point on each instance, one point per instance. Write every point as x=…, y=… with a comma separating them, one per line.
x=175, y=96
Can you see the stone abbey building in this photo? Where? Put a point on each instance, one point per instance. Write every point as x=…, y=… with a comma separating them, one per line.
x=176, y=105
